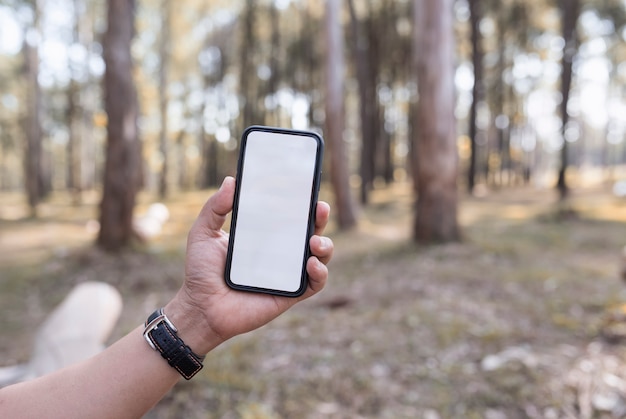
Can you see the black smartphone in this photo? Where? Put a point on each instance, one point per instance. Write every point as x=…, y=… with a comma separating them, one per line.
x=278, y=178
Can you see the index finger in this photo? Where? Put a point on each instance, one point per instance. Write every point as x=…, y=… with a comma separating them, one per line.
x=322, y=214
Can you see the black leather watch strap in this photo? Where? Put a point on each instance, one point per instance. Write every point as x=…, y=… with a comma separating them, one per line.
x=161, y=335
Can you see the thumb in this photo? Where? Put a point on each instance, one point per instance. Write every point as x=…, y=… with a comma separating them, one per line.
x=213, y=213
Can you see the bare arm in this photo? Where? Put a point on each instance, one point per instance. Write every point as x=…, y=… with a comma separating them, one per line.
x=128, y=378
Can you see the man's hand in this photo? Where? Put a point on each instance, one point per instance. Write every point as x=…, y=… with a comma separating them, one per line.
x=206, y=311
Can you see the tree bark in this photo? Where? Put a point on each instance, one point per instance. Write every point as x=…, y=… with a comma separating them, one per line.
x=210, y=163
x=122, y=172
x=247, y=69
x=367, y=103
x=437, y=159
x=164, y=53
x=74, y=119
x=32, y=124
x=274, y=63
x=88, y=100
x=477, y=89
x=499, y=102
x=570, y=10
x=73, y=143
x=382, y=44
x=335, y=117
x=207, y=144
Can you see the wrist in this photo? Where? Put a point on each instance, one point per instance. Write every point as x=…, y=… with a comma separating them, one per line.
x=193, y=326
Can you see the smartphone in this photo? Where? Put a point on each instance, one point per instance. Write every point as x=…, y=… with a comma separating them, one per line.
x=278, y=178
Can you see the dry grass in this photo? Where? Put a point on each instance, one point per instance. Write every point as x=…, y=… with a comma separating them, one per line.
x=401, y=330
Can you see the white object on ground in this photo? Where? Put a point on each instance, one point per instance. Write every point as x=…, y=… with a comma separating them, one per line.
x=619, y=189
x=77, y=329
x=150, y=224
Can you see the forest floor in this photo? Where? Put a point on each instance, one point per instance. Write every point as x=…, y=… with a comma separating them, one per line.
x=523, y=318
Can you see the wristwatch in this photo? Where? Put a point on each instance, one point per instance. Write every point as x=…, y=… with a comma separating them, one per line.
x=161, y=335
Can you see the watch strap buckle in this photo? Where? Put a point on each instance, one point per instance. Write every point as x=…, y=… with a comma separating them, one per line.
x=160, y=334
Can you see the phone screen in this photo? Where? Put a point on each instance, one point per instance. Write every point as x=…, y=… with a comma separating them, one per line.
x=277, y=183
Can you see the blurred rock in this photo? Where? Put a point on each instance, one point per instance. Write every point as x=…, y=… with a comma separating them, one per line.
x=92, y=227
x=149, y=225
x=77, y=329
x=495, y=414
x=431, y=414
x=520, y=354
x=606, y=402
x=598, y=383
x=619, y=189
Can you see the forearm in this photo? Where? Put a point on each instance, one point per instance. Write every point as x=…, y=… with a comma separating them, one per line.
x=124, y=381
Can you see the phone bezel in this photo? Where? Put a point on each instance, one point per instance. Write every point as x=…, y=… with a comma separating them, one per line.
x=311, y=218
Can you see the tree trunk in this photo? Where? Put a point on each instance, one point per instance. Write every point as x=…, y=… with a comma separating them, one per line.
x=88, y=101
x=335, y=116
x=380, y=45
x=164, y=53
x=499, y=101
x=210, y=163
x=274, y=61
x=73, y=143
x=570, y=10
x=477, y=89
x=437, y=159
x=386, y=145
x=4, y=151
x=74, y=119
x=247, y=69
x=32, y=123
x=367, y=104
x=207, y=144
x=209, y=171
x=122, y=172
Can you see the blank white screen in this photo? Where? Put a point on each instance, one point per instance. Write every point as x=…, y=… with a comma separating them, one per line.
x=272, y=219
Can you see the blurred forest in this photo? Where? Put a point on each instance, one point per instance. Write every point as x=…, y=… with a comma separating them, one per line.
x=534, y=94
x=495, y=127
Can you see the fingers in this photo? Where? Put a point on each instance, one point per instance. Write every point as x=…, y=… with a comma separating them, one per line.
x=213, y=213
x=322, y=250
x=322, y=247
x=318, y=274
x=322, y=213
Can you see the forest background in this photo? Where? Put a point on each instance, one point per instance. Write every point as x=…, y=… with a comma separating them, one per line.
x=498, y=122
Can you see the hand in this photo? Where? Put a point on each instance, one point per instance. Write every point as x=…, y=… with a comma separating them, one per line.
x=206, y=311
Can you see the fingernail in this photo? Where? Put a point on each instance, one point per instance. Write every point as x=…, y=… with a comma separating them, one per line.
x=224, y=182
